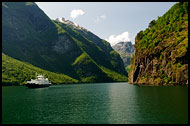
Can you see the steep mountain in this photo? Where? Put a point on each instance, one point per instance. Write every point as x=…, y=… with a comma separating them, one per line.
x=105, y=46
x=161, y=50
x=30, y=36
x=126, y=51
x=109, y=57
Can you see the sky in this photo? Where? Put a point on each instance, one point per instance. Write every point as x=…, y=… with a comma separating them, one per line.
x=112, y=21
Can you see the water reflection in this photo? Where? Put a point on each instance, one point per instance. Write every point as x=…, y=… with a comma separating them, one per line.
x=84, y=103
x=161, y=104
x=110, y=103
x=121, y=103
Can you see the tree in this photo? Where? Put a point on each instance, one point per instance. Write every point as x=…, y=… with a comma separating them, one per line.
x=139, y=35
x=185, y=7
x=152, y=23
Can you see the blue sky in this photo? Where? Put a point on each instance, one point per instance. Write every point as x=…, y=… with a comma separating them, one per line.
x=113, y=21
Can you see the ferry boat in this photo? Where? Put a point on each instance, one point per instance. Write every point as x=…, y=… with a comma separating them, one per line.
x=39, y=82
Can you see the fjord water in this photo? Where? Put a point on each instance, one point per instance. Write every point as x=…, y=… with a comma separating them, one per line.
x=110, y=103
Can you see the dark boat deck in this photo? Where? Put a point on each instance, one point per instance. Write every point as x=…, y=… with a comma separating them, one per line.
x=37, y=85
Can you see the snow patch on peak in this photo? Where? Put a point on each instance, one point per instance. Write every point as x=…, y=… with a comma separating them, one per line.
x=59, y=19
x=70, y=23
x=76, y=24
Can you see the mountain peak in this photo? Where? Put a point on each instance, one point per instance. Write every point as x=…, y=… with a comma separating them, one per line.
x=124, y=43
x=126, y=50
x=124, y=47
x=66, y=21
x=70, y=23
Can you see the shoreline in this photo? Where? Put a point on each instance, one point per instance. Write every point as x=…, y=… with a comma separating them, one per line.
x=155, y=85
x=137, y=84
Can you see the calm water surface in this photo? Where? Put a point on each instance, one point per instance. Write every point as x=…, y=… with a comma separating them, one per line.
x=110, y=103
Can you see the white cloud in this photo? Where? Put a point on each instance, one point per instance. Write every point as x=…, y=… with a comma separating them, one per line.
x=99, y=18
x=114, y=39
x=76, y=12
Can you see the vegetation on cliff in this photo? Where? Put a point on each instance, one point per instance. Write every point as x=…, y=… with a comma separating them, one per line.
x=161, y=50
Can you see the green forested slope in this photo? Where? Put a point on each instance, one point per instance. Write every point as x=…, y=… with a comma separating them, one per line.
x=99, y=49
x=161, y=50
x=15, y=72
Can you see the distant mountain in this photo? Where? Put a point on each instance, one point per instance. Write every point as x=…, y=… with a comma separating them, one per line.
x=126, y=51
x=161, y=50
x=28, y=35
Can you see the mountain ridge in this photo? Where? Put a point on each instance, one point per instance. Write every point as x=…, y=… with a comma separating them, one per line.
x=55, y=46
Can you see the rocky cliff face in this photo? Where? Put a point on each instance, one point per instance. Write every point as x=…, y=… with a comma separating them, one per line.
x=161, y=51
x=126, y=51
